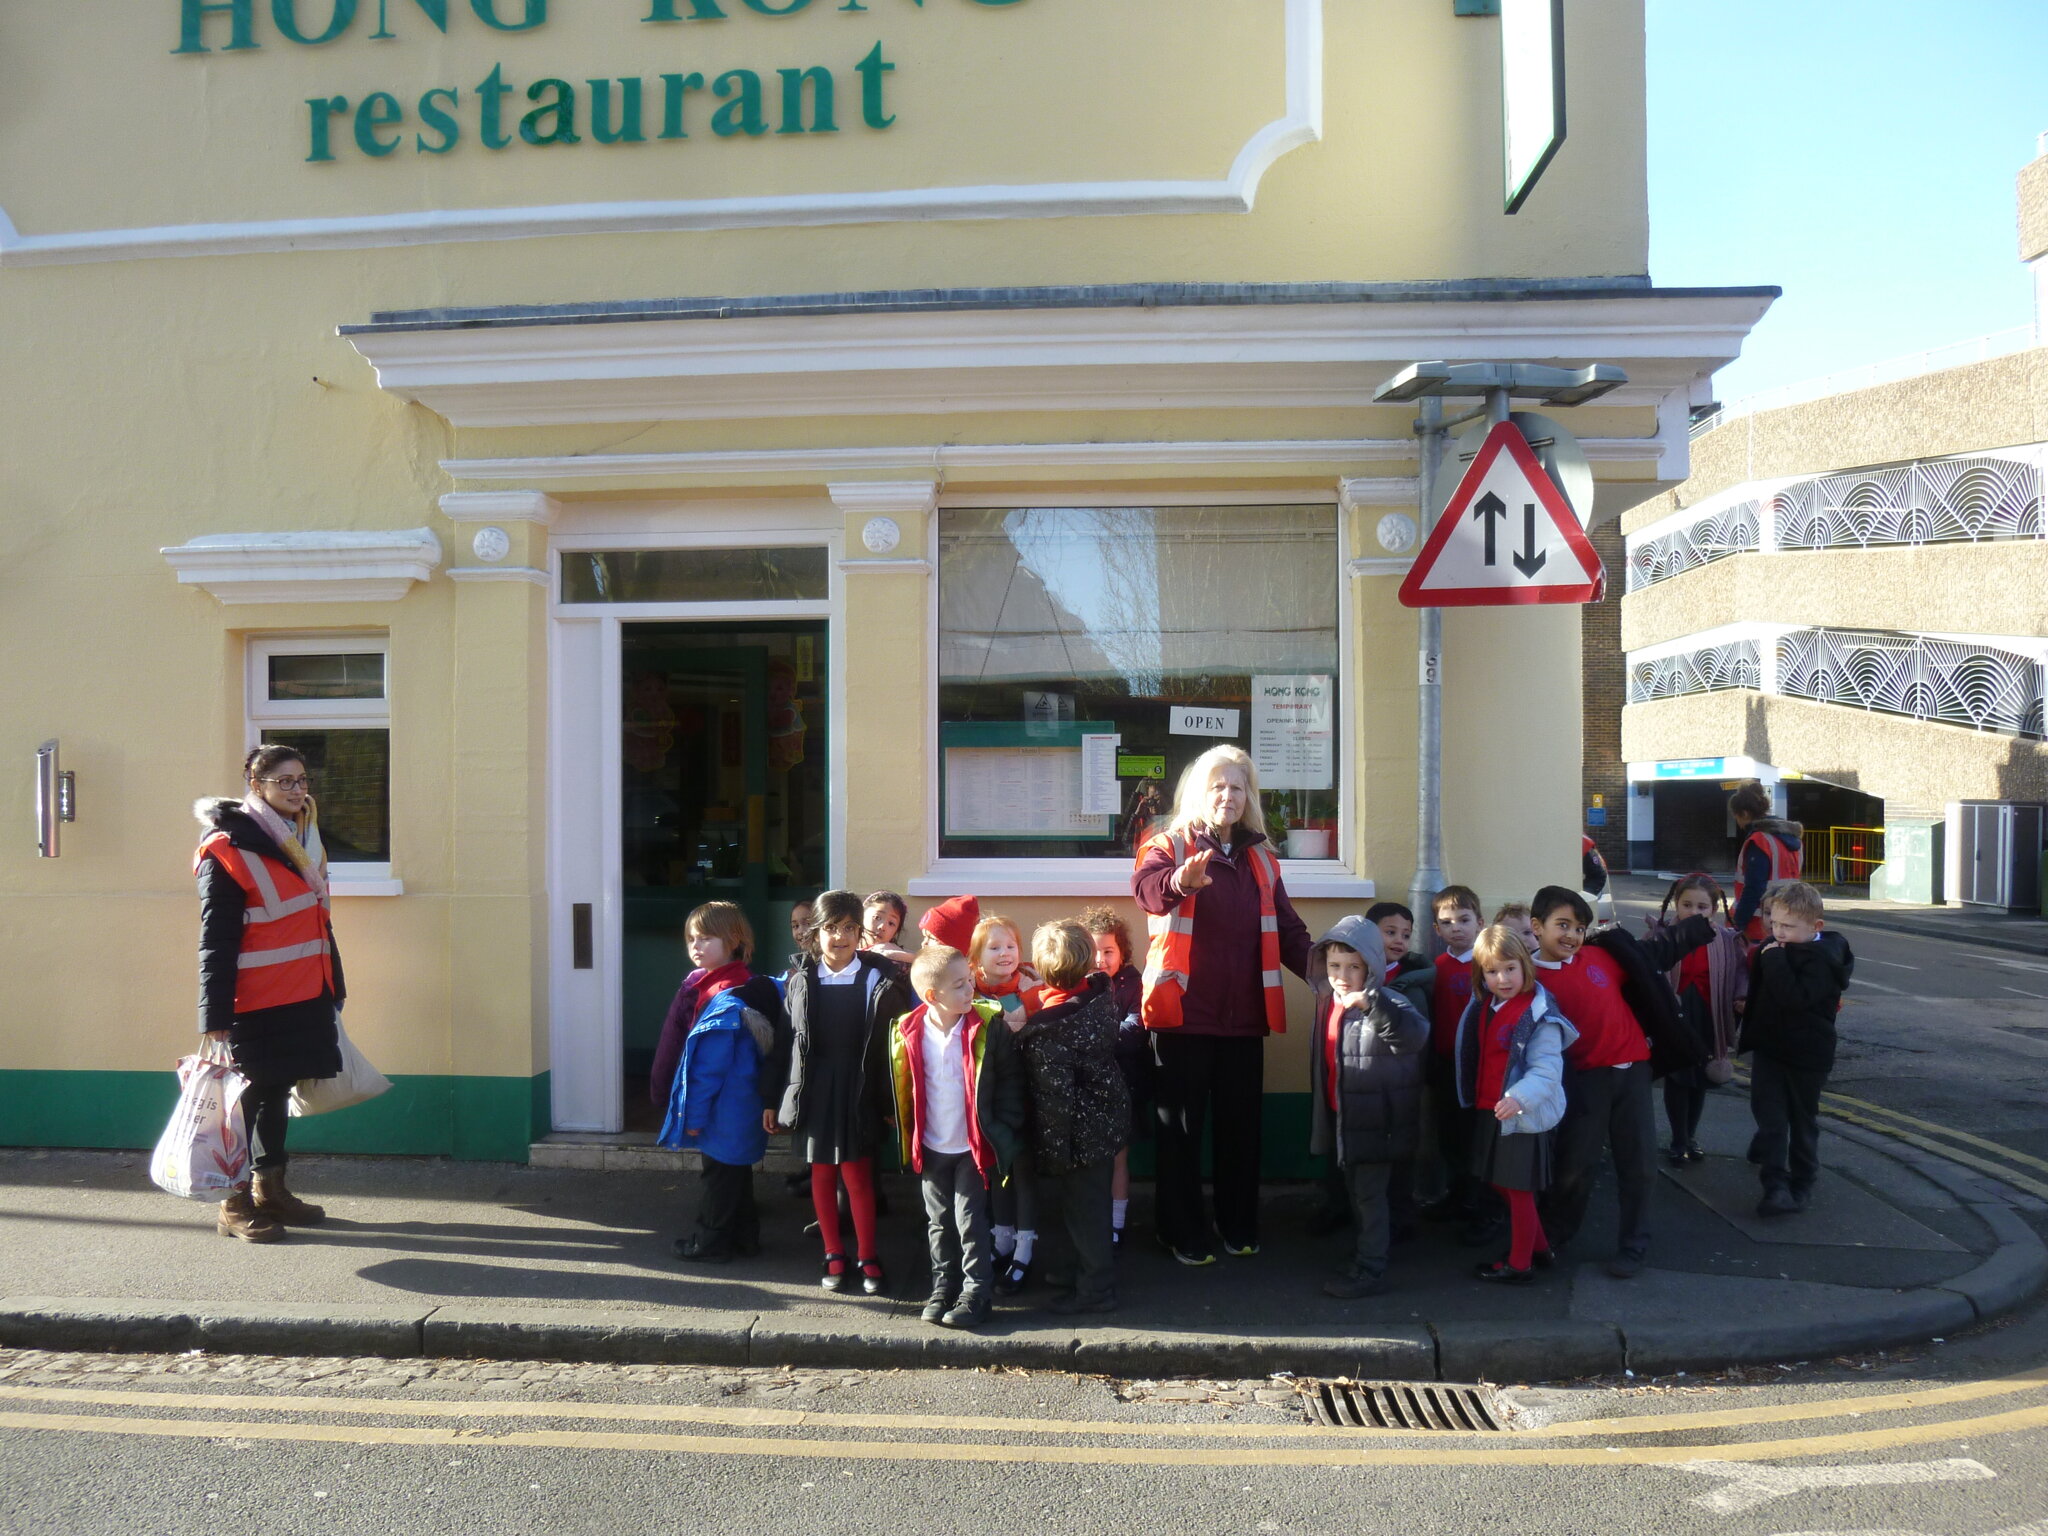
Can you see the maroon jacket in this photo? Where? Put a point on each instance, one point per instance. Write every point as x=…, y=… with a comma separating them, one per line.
x=1225, y=995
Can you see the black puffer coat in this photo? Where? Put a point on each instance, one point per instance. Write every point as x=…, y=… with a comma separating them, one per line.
x=1795, y=991
x=1080, y=1106
x=270, y=1045
x=1380, y=1053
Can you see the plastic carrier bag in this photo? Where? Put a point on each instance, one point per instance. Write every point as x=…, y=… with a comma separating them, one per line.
x=356, y=1082
x=203, y=1153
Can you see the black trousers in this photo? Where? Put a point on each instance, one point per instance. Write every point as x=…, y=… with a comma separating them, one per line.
x=1685, y=1100
x=1786, y=1103
x=956, y=1205
x=1370, y=1188
x=1085, y=1209
x=1217, y=1083
x=1605, y=1108
x=725, y=1208
x=266, y=1111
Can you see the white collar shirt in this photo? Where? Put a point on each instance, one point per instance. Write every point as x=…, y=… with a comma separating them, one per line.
x=945, y=1085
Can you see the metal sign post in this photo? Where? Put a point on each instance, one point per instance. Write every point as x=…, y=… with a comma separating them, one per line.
x=1498, y=384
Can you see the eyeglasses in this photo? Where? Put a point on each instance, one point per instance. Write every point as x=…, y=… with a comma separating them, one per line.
x=289, y=783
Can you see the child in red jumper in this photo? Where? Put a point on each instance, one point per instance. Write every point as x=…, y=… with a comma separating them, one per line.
x=1607, y=1078
x=1456, y=913
x=1511, y=1047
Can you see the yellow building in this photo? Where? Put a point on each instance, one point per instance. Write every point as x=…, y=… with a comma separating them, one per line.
x=1849, y=600
x=642, y=450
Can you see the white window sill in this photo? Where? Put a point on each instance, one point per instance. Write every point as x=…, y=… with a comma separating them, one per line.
x=1306, y=879
x=342, y=885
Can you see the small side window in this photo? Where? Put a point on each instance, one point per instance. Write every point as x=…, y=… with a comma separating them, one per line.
x=325, y=697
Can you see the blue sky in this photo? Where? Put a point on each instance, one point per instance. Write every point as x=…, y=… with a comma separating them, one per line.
x=1860, y=154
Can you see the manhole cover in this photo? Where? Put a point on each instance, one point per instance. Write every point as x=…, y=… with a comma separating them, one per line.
x=1415, y=1406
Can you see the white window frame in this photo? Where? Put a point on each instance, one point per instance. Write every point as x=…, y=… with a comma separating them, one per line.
x=260, y=712
x=1332, y=878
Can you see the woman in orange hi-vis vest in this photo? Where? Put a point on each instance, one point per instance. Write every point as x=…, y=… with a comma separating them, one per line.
x=1772, y=850
x=1222, y=930
x=269, y=976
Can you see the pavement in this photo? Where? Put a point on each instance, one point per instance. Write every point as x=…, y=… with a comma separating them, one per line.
x=425, y=1258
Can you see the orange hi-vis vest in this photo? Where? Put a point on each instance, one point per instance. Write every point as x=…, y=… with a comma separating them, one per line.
x=285, y=955
x=1171, y=953
x=1785, y=865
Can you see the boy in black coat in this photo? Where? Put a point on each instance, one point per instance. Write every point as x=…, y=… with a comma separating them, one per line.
x=1796, y=983
x=1080, y=1109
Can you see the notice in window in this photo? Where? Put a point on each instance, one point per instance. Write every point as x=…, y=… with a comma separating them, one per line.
x=1101, y=795
x=1292, y=731
x=1014, y=792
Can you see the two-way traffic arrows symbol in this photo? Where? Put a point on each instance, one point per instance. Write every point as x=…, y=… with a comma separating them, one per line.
x=1489, y=507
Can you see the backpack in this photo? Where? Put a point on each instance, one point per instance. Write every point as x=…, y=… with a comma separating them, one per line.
x=1647, y=991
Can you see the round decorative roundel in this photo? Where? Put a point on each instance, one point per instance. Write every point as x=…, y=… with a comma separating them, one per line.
x=881, y=535
x=1396, y=532
x=491, y=545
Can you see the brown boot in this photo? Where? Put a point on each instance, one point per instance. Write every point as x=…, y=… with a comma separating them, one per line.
x=272, y=1199
x=239, y=1218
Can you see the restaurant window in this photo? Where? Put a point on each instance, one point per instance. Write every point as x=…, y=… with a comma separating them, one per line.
x=325, y=697
x=1088, y=654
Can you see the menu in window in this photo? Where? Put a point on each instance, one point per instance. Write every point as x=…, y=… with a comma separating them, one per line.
x=1015, y=792
x=1293, y=735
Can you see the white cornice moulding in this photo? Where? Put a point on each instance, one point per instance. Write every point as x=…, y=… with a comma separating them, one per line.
x=1378, y=491
x=307, y=567
x=500, y=507
x=823, y=462
x=1301, y=123
x=1380, y=565
x=527, y=573
x=884, y=498
x=952, y=362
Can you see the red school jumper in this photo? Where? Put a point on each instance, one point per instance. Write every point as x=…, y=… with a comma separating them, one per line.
x=1587, y=990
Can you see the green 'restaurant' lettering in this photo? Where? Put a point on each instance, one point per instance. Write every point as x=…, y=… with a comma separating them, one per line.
x=808, y=102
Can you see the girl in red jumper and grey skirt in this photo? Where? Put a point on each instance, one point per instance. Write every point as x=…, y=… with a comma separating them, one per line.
x=1510, y=1059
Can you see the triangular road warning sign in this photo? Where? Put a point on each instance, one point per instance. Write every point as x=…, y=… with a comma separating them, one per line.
x=1507, y=536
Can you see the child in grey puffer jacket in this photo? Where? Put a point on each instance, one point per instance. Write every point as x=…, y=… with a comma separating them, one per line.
x=1365, y=1076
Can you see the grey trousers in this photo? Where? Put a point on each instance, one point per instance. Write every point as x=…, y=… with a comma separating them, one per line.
x=1086, y=1211
x=1371, y=1214
x=956, y=1214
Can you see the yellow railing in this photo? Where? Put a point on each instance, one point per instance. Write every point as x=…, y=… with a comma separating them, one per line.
x=1842, y=855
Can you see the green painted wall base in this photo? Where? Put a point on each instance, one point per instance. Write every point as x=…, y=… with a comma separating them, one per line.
x=480, y=1119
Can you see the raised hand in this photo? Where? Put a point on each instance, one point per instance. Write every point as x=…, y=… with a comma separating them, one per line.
x=1194, y=874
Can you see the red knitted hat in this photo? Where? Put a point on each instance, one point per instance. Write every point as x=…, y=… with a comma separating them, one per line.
x=952, y=921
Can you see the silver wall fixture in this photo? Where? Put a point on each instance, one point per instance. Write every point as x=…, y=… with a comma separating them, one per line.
x=56, y=799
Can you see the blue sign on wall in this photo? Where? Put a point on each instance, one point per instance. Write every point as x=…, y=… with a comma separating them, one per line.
x=1693, y=768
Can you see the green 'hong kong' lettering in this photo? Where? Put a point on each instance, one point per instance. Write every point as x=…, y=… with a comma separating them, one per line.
x=700, y=10
x=192, y=16
x=435, y=11
x=285, y=13
x=487, y=13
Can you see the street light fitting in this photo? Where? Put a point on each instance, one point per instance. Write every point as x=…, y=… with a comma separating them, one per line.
x=1523, y=381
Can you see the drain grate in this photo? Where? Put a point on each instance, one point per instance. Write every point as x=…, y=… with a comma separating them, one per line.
x=1402, y=1405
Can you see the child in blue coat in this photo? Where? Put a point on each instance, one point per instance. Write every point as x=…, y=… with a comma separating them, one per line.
x=707, y=1069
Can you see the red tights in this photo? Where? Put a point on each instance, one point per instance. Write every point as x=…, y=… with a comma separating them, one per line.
x=1525, y=1227
x=860, y=1194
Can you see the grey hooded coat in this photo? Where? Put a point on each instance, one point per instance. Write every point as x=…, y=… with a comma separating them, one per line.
x=1381, y=1046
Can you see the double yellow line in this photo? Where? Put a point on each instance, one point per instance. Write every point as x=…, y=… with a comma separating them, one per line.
x=1615, y=1442
x=1951, y=1143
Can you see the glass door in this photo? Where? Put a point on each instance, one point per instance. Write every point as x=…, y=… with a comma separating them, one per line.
x=723, y=798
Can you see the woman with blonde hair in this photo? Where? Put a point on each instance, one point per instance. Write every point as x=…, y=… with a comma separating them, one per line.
x=1222, y=929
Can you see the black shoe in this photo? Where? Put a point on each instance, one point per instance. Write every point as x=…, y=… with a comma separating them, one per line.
x=1349, y=1287
x=970, y=1312
x=940, y=1304
x=1675, y=1156
x=1625, y=1265
x=1194, y=1258
x=1076, y=1302
x=1012, y=1277
x=834, y=1280
x=1503, y=1273
x=1543, y=1258
x=1693, y=1154
x=1779, y=1202
x=874, y=1281
x=1245, y=1250
x=699, y=1249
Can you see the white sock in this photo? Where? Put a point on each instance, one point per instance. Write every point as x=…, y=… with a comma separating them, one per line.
x=1004, y=1239
x=1026, y=1241
x=1118, y=1210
